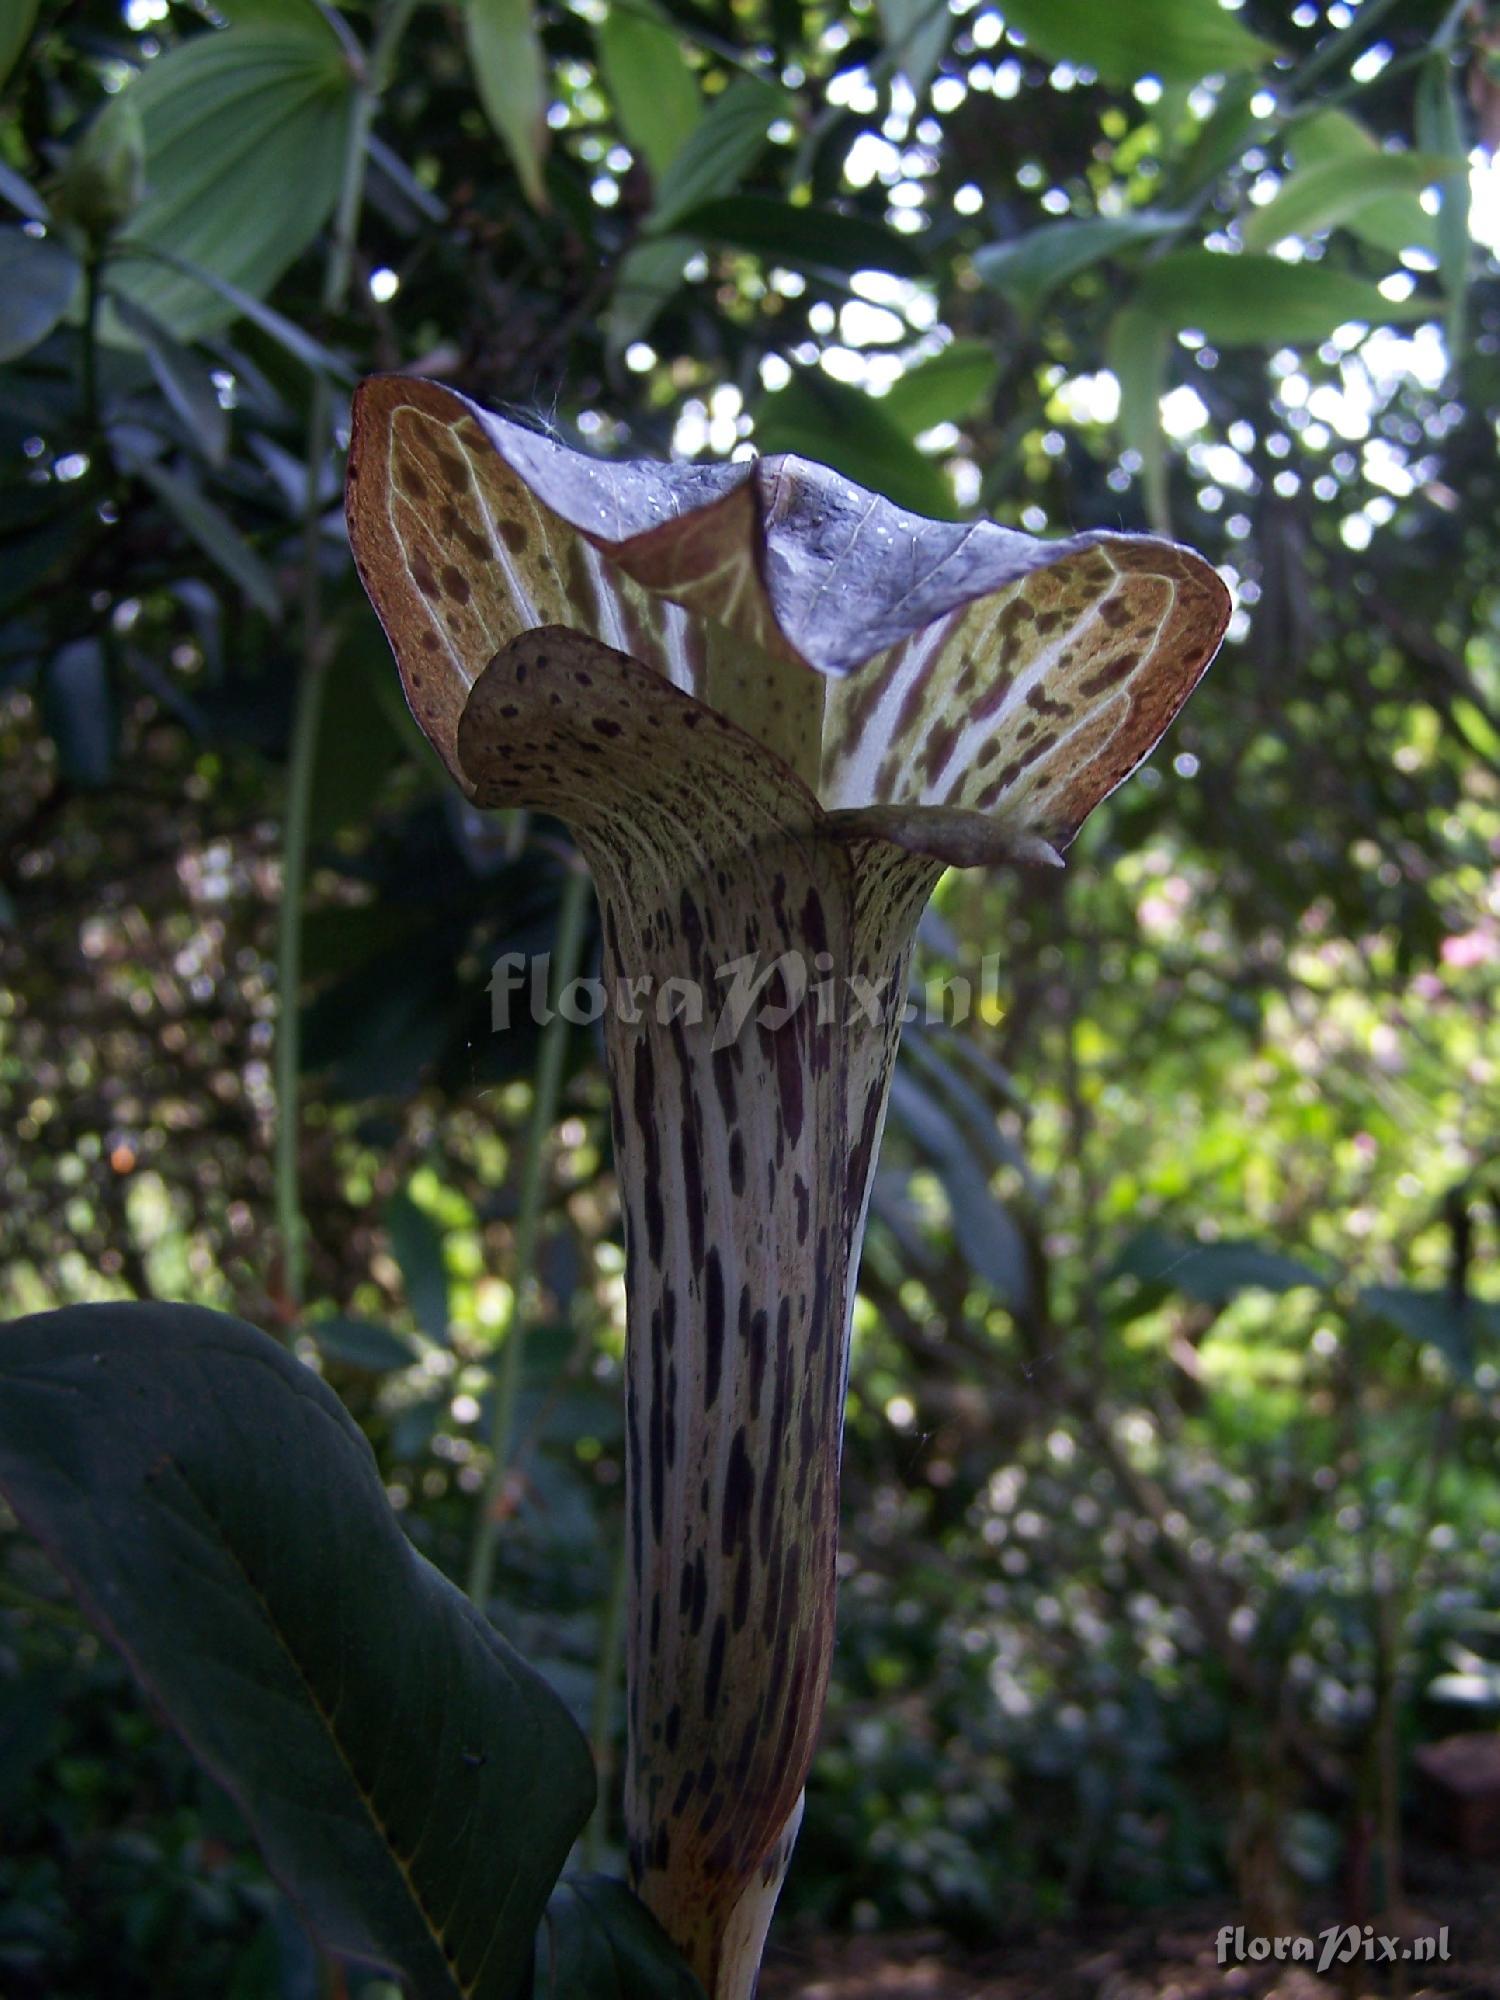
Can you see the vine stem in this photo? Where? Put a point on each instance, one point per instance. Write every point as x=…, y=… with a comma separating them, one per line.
x=307, y=714
x=568, y=949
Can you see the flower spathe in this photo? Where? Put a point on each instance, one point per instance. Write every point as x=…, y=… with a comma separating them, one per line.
x=772, y=707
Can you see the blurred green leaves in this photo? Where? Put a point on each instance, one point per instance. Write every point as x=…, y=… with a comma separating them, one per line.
x=510, y=73
x=1260, y=300
x=1031, y=266
x=652, y=88
x=39, y=279
x=245, y=134
x=1179, y=41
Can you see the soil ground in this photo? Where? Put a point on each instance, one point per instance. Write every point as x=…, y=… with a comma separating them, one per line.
x=1164, y=1955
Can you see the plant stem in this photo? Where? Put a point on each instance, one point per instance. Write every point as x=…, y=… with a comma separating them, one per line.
x=571, y=916
x=312, y=679
x=601, y=1718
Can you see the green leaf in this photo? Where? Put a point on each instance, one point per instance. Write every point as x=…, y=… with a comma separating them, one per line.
x=22, y=195
x=803, y=239
x=819, y=418
x=274, y=325
x=1440, y=129
x=917, y=33
x=654, y=92
x=987, y=1234
x=648, y=278
x=1390, y=222
x=245, y=139
x=1137, y=351
x=1229, y=130
x=510, y=73
x=598, y=1942
x=944, y=388
x=1213, y=1273
x=418, y=1243
x=220, y=540
x=1179, y=41
x=363, y=1343
x=184, y=380
x=1432, y=1319
x=17, y=19
x=78, y=707
x=1334, y=192
x=720, y=151
x=281, y=17
x=1262, y=301
x=38, y=280
x=409, y=1778
x=1027, y=269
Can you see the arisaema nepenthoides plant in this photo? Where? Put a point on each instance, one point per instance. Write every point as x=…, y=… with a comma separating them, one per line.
x=772, y=707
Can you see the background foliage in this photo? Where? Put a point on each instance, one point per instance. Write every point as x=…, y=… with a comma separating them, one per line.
x=1173, y=1513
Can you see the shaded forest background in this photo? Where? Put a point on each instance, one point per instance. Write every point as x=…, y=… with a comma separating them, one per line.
x=1172, y=1525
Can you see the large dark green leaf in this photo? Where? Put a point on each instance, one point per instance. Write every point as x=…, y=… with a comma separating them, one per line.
x=245, y=139
x=803, y=239
x=38, y=279
x=823, y=419
x=1179, y=41
x=653, y=91
x=1262, y=301
x=1027, y=269
x=598, y=1942
x=413, y=1783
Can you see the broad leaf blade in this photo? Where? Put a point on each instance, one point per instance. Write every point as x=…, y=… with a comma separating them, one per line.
x=16, y=23
x=1240, y=301
x=510, y=72
x=1179, y=41
x=916, y=33
x=38, y=278
x=598, y=1942
x=652, y=89
x=1440, y=128
x=245, y=138
x=720, y=151
x=184, y=380
x=410, y=1779
x=803, y=239
x=220, y=540
x=943, y=389
x=1334, y=192
x=1027, y=269
x=418, y=1243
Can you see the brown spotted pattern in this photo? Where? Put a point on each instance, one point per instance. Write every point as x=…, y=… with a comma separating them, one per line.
x=744, y=1163
x=770, y=705
x=963, y=675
